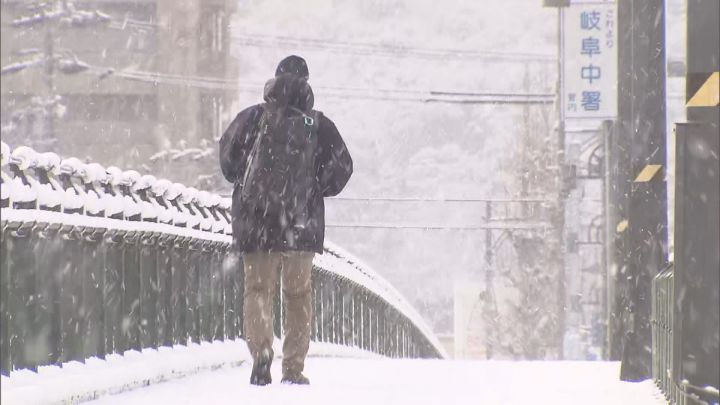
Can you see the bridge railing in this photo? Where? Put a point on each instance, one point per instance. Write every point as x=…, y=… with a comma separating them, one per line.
x=685, y=320
x=663, y=298
x=98, y=261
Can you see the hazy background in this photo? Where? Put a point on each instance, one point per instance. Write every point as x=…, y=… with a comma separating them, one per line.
x=410, y=148
x=164, y=78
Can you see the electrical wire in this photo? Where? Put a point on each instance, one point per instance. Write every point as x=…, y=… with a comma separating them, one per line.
x=440, y=200
x=369, y=49
x=345, y=92
x=519, y=227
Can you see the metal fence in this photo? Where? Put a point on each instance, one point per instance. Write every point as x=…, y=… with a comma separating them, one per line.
x=690, y=359
x=685, y=295
x=667, y=331
x=98, y=261
x=663, y=293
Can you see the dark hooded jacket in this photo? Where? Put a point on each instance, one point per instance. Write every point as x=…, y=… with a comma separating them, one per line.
x=257, y=231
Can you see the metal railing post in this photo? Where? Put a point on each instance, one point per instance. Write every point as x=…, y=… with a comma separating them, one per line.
x=72, y=298
x=20, y=286
x=383, y=331
x=193, y=291
x=164, y=273
x=112, y=304
x=347, y=306
x=227, y=272
x=332, y=309
x=131, y=292
x=357, y=317
x=93, y=253
x=4, y=309
x=179, y=269
x=48, y=299
x=320, y=309
x=205, y=304
x=366, y=328
x=149, y=285
x=218, y=291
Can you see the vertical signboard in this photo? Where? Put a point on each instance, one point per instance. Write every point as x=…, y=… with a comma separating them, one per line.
x=589, y=60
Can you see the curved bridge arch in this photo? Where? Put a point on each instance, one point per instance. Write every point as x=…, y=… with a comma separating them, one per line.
x=99, y=261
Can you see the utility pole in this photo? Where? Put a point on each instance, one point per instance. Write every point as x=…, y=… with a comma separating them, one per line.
x=641, y=101
x=558, y=211
x=696, y=321
x=489, y=294
x=611, y=346
x=525, y=169
x=559, y=214
x=48, y=137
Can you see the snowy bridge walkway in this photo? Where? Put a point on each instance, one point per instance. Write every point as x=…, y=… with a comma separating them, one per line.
x=412, y=381
x=146, y=274
x=218, y=373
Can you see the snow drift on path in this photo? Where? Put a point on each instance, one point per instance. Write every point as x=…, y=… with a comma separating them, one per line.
x=412, y=382
x=96, y=378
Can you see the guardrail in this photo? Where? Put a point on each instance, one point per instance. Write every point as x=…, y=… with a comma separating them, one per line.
x=98, y=261
x=686, y=295
x=666, y=321
x=662, y=331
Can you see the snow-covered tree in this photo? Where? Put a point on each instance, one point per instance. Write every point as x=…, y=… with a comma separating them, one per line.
x=37, y=117
x=529, y=314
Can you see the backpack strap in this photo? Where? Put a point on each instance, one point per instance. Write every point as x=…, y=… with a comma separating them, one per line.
x=317, y=115
x=259, y=130
x=312, y=119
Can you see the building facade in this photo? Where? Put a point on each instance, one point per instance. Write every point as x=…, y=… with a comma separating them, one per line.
x=142, y=84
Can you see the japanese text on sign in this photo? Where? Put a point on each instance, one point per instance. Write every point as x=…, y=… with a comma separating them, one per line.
x=589, y=88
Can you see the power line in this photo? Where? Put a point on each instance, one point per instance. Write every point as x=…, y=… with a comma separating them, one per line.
x=518, y=227
x=369, y=49
x=404, y=95
x=441, y=200
x=500, y=100
x=456, y=93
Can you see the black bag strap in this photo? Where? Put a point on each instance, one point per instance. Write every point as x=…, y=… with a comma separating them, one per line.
x=262, y=121
x=312, y=119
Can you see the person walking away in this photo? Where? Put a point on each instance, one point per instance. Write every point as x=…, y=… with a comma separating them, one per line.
x=283, y=158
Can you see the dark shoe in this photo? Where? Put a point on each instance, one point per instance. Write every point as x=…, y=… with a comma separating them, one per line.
x=298, y=379
x=261, y=369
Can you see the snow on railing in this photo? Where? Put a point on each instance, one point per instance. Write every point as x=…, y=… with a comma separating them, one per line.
x=46, y=182
x=43, y=188
x=352, y=268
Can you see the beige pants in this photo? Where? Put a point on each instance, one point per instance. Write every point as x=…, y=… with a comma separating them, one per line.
x=261, y=273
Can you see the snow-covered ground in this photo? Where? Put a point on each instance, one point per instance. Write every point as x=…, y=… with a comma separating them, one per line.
x=384, y=381
x=80, y=382
x=218, y=373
